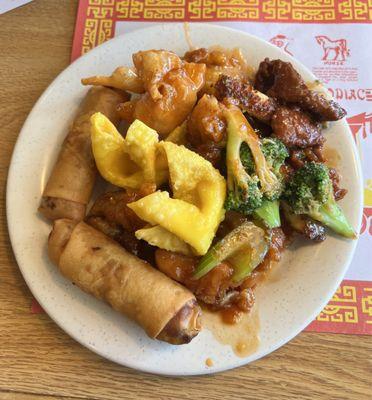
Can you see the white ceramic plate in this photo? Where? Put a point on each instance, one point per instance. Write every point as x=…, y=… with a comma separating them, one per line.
x=309, y=275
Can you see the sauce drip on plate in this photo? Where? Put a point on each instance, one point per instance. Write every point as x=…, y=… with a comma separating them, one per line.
x=332, y=157
x=241, y=336
x=209, y=362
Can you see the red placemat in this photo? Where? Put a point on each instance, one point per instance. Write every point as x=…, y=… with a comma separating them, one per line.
x=335, y=34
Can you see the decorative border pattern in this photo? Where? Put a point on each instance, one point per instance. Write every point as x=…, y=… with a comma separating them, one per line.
x=349, y=310
x=95, y=24
x=96, y=18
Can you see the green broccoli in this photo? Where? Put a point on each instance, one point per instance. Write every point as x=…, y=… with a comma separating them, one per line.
x=275, y=154
x=250, y=179
x=243, y=191
x=244, y=248
x=310, y=192
x=268, y=214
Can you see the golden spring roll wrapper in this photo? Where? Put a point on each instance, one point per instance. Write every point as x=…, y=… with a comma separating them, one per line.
x=70, y=184
x=99, y=266
x=55, y=208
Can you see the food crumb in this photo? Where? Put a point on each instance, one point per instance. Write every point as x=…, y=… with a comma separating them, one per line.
x=209, y=362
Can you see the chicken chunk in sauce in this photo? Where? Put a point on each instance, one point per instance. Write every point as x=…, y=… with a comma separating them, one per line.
x=175, y=96
x=152, y=66
x=110, y=215
x=216, y=288
x=211, y=288
x=219, y=61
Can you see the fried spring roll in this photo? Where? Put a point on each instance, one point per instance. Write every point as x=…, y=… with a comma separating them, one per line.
x=163, y=308
x=70, y=184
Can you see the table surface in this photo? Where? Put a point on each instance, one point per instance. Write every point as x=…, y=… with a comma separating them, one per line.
x=39, y=361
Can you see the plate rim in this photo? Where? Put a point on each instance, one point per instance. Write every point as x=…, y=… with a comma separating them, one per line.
x=12, y=172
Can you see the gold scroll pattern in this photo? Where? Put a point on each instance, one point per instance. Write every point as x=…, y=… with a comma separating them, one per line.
x=151, y=9
x=367, y=304
x=352, y=304
x=342, y=307
x=262, y=10
x=101, y=15
x=354, y=10
x=99, y=23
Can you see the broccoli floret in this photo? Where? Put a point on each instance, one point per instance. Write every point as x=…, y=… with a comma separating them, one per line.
x=275, y=153
x=254, y=181
x=310, y=192
x=244, y=199
x=243, y=191
x=244, y=248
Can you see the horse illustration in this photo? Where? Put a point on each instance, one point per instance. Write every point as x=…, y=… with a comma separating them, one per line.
x=282, y=42
x=338, y=48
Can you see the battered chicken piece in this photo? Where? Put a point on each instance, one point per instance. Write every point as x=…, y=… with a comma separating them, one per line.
x=178, y=90
x=207, y=122
x=206, y=129
x=112, y=207
x=246, y=97
x=295, y=128
x=216, y=287
x=152, y=66
x=218, y=62
x=123, y=78
x=110, y=215
x=212, y=288
x=278, y=79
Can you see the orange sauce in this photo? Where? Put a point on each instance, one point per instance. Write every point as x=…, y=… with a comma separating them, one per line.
x=332, y=157
x=209, y=362
x=241, y=336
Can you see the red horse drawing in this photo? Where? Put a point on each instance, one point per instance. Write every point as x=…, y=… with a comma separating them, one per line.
x=333, y=48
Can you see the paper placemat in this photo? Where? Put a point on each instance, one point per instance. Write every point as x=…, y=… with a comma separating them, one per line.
x=336, y=35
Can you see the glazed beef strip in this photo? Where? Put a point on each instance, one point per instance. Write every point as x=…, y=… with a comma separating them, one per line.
x=243, y=94
x=295, y=128
x=298, y=157
x=278, y=79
